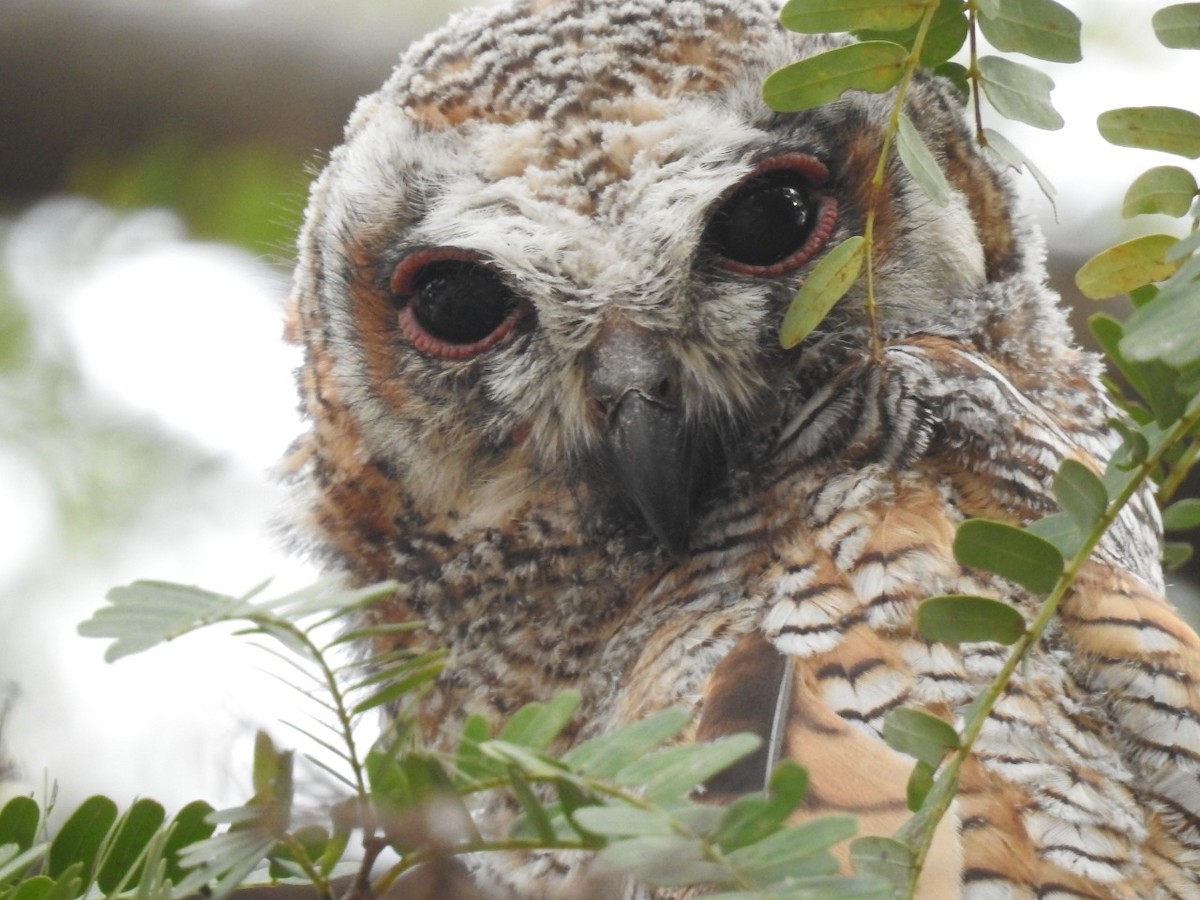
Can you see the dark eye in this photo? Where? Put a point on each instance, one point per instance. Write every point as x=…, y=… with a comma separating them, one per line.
x=775, y=220
x=454, y=305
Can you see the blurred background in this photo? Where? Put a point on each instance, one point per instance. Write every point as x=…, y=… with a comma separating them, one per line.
x=154, y=161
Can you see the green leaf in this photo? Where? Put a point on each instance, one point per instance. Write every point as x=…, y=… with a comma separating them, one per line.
x=623, y=821
x=532, y=763
x=832, y=887
x=1153, y=380
x=1126, y=266
x=962, y=618
x=1164, y=189
x=1182, y=515
x=956, y=74
x=1080, y=493
x=920, y=782
x=829, y=281
x=189, y=826
x=885, y=857
x=403, y=676
x=873, y=66
x=1178, y=26
x=1153, y=128
x=1039, y=28
x=19, y=822
x=1006, y=154
x=794, y=844
x=220, y=864
x=17, y=866
x=1168, y=327
x=920, y=164
x=605, y=755
x=147, y=613
x=1019, y=92
x=754, y=816
x=1189, y=244
x=312, y=840
x=945, y=36
x=79, y=839
x=1008, y=551
x=920, y=735
x=134, y=832
x=1059, y=529
x=1176, y=554
x=664, y=860
x=536, y=815
x=536, y=725
x=675, y=772
x=36, y=888
x=817, y=16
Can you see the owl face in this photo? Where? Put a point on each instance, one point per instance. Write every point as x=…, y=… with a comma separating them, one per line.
x=550, y=263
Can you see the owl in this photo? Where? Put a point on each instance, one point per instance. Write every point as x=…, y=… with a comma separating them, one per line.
x=539, y=292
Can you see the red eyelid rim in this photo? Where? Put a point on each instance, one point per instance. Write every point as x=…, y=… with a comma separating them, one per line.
x=816, y=173
x=401, y=284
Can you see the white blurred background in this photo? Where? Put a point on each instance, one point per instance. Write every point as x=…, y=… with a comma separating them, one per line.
x=156, y=159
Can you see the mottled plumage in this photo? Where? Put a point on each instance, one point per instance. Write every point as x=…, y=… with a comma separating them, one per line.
x=547, y=397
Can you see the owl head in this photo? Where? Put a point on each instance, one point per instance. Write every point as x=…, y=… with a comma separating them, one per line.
x=545, y=273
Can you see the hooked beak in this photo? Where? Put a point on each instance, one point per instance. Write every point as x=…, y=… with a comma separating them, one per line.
x=658, y=462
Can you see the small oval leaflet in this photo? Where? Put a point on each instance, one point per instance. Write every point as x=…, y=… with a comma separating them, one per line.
x=868, y=66
x=1164, y=189
x=1152, y=128
x=964, y=618
x=1182, y=515
x=1178, y=26
x=816, y=16
x=1040, y=28
x=827, y=283
x=1008, y=551
x=1019, y=92
x=1081, y=494
x=920, y=162
x=920, y=735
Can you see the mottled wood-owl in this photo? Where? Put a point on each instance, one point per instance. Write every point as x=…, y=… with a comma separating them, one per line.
x=539, y=291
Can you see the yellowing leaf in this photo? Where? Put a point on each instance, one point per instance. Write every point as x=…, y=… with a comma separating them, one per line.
x=1080, y=493
x=1126, y=266
x=826, y=284
x=816, y=16
x=1152, y=128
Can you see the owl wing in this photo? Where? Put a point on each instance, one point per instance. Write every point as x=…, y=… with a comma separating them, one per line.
x=1086, y=776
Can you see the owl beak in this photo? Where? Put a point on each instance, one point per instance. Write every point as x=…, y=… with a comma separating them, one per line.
x=652, y=456
x=649, y=451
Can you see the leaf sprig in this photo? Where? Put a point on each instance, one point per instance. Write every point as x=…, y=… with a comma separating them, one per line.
x=896, y=39
x=1158, y=350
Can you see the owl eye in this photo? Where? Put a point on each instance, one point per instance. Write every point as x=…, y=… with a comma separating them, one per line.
x=775, y=220
x=452, y=304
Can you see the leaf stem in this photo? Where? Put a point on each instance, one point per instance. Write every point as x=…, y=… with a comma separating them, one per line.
x=1178, y=473
x=911, y=63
